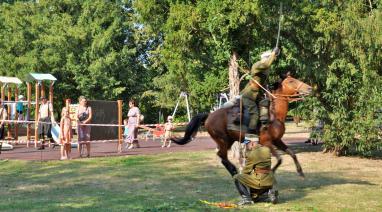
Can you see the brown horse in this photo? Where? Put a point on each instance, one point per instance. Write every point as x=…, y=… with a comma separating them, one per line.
x=270, y=135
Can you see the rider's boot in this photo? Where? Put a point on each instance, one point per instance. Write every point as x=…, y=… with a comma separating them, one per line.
x=264, y=110
x=245, y=194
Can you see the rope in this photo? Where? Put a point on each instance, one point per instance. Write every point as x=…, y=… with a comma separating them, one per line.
x=32, y=141
x=267, y=91
x=100, y=125
x=12, y=102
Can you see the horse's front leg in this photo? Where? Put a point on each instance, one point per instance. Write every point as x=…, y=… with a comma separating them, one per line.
x=278, y=157
x=282, y=146
x=298, y=166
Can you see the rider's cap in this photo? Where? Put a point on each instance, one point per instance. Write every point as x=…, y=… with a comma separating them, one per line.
x=246, y=141
x=266, y=54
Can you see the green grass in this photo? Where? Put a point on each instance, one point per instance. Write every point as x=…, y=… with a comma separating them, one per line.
x=176, y=182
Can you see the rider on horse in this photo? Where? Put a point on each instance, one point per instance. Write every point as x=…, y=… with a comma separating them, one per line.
x=257, y=176
x=251, y=94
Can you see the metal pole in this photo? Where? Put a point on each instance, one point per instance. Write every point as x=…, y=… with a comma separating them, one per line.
x=176, y=107
x=188, y=108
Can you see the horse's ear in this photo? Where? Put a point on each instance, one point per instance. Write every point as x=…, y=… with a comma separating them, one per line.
x=285, y=75
x=275, y=85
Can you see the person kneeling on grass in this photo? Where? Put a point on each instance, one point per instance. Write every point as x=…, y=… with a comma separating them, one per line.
x=65, y=134
x=257, y=176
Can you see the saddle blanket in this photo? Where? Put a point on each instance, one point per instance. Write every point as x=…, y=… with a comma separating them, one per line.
x=235, y=120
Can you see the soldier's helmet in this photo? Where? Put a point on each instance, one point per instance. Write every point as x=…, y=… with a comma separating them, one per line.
x=266, y=54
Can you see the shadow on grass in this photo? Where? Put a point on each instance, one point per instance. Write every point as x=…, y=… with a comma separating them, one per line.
x=299, y=147
x=293, y=188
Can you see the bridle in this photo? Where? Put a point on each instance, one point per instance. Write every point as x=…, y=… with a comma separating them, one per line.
x=290, y=97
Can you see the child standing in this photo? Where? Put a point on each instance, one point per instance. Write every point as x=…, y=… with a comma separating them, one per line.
x=168, y=127
x=126, y=133
x=65, y=134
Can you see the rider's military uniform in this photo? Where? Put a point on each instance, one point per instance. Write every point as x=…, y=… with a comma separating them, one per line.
x=250, y=93
x=257, y=174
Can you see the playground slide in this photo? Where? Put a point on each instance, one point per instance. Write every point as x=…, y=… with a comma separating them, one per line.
x=56, y=135
x=6, y=146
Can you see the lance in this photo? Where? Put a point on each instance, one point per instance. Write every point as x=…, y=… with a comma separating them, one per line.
x=281, y=17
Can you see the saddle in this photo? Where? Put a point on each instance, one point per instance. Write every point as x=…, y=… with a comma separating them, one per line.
x=237, y=116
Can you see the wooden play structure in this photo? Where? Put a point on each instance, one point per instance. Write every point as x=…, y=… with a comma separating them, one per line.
x=7, y=83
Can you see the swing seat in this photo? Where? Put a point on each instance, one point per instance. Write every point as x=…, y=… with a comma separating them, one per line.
x=159, y=131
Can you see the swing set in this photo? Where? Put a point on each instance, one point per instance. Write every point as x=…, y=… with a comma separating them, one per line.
x=159, y=131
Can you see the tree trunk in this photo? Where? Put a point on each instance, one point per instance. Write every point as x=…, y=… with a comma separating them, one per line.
x=234, y=80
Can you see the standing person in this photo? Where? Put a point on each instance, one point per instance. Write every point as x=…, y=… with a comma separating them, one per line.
x=20, y=108
x=126, y=132
x=3, y=117
x=168, y=127
x=84, y=115
x=251, y=98
x=257, y=175
x=65, y=134
x=133, y=123
x=46, y=116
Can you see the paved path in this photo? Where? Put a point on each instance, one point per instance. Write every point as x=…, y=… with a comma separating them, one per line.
x=110, y=149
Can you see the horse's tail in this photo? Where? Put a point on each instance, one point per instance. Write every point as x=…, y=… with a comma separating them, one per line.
x=191, y=129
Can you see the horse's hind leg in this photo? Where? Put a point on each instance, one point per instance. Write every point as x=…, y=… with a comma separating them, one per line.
x=282, y=146
x=223, y=154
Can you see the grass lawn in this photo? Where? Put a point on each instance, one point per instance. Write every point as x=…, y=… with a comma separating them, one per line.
x=177, y=181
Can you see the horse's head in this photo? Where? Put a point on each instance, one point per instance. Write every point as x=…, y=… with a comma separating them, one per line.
x=291, y=86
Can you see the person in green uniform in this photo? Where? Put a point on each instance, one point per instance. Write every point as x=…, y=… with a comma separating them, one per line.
x=252, y=92
x=257, y=176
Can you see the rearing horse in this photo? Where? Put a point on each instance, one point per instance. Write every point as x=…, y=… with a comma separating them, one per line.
x=216, y=125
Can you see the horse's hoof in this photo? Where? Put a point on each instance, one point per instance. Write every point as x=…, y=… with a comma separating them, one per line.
x=301, y=175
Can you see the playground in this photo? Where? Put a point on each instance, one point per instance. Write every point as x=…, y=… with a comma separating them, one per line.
x=190, y=105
